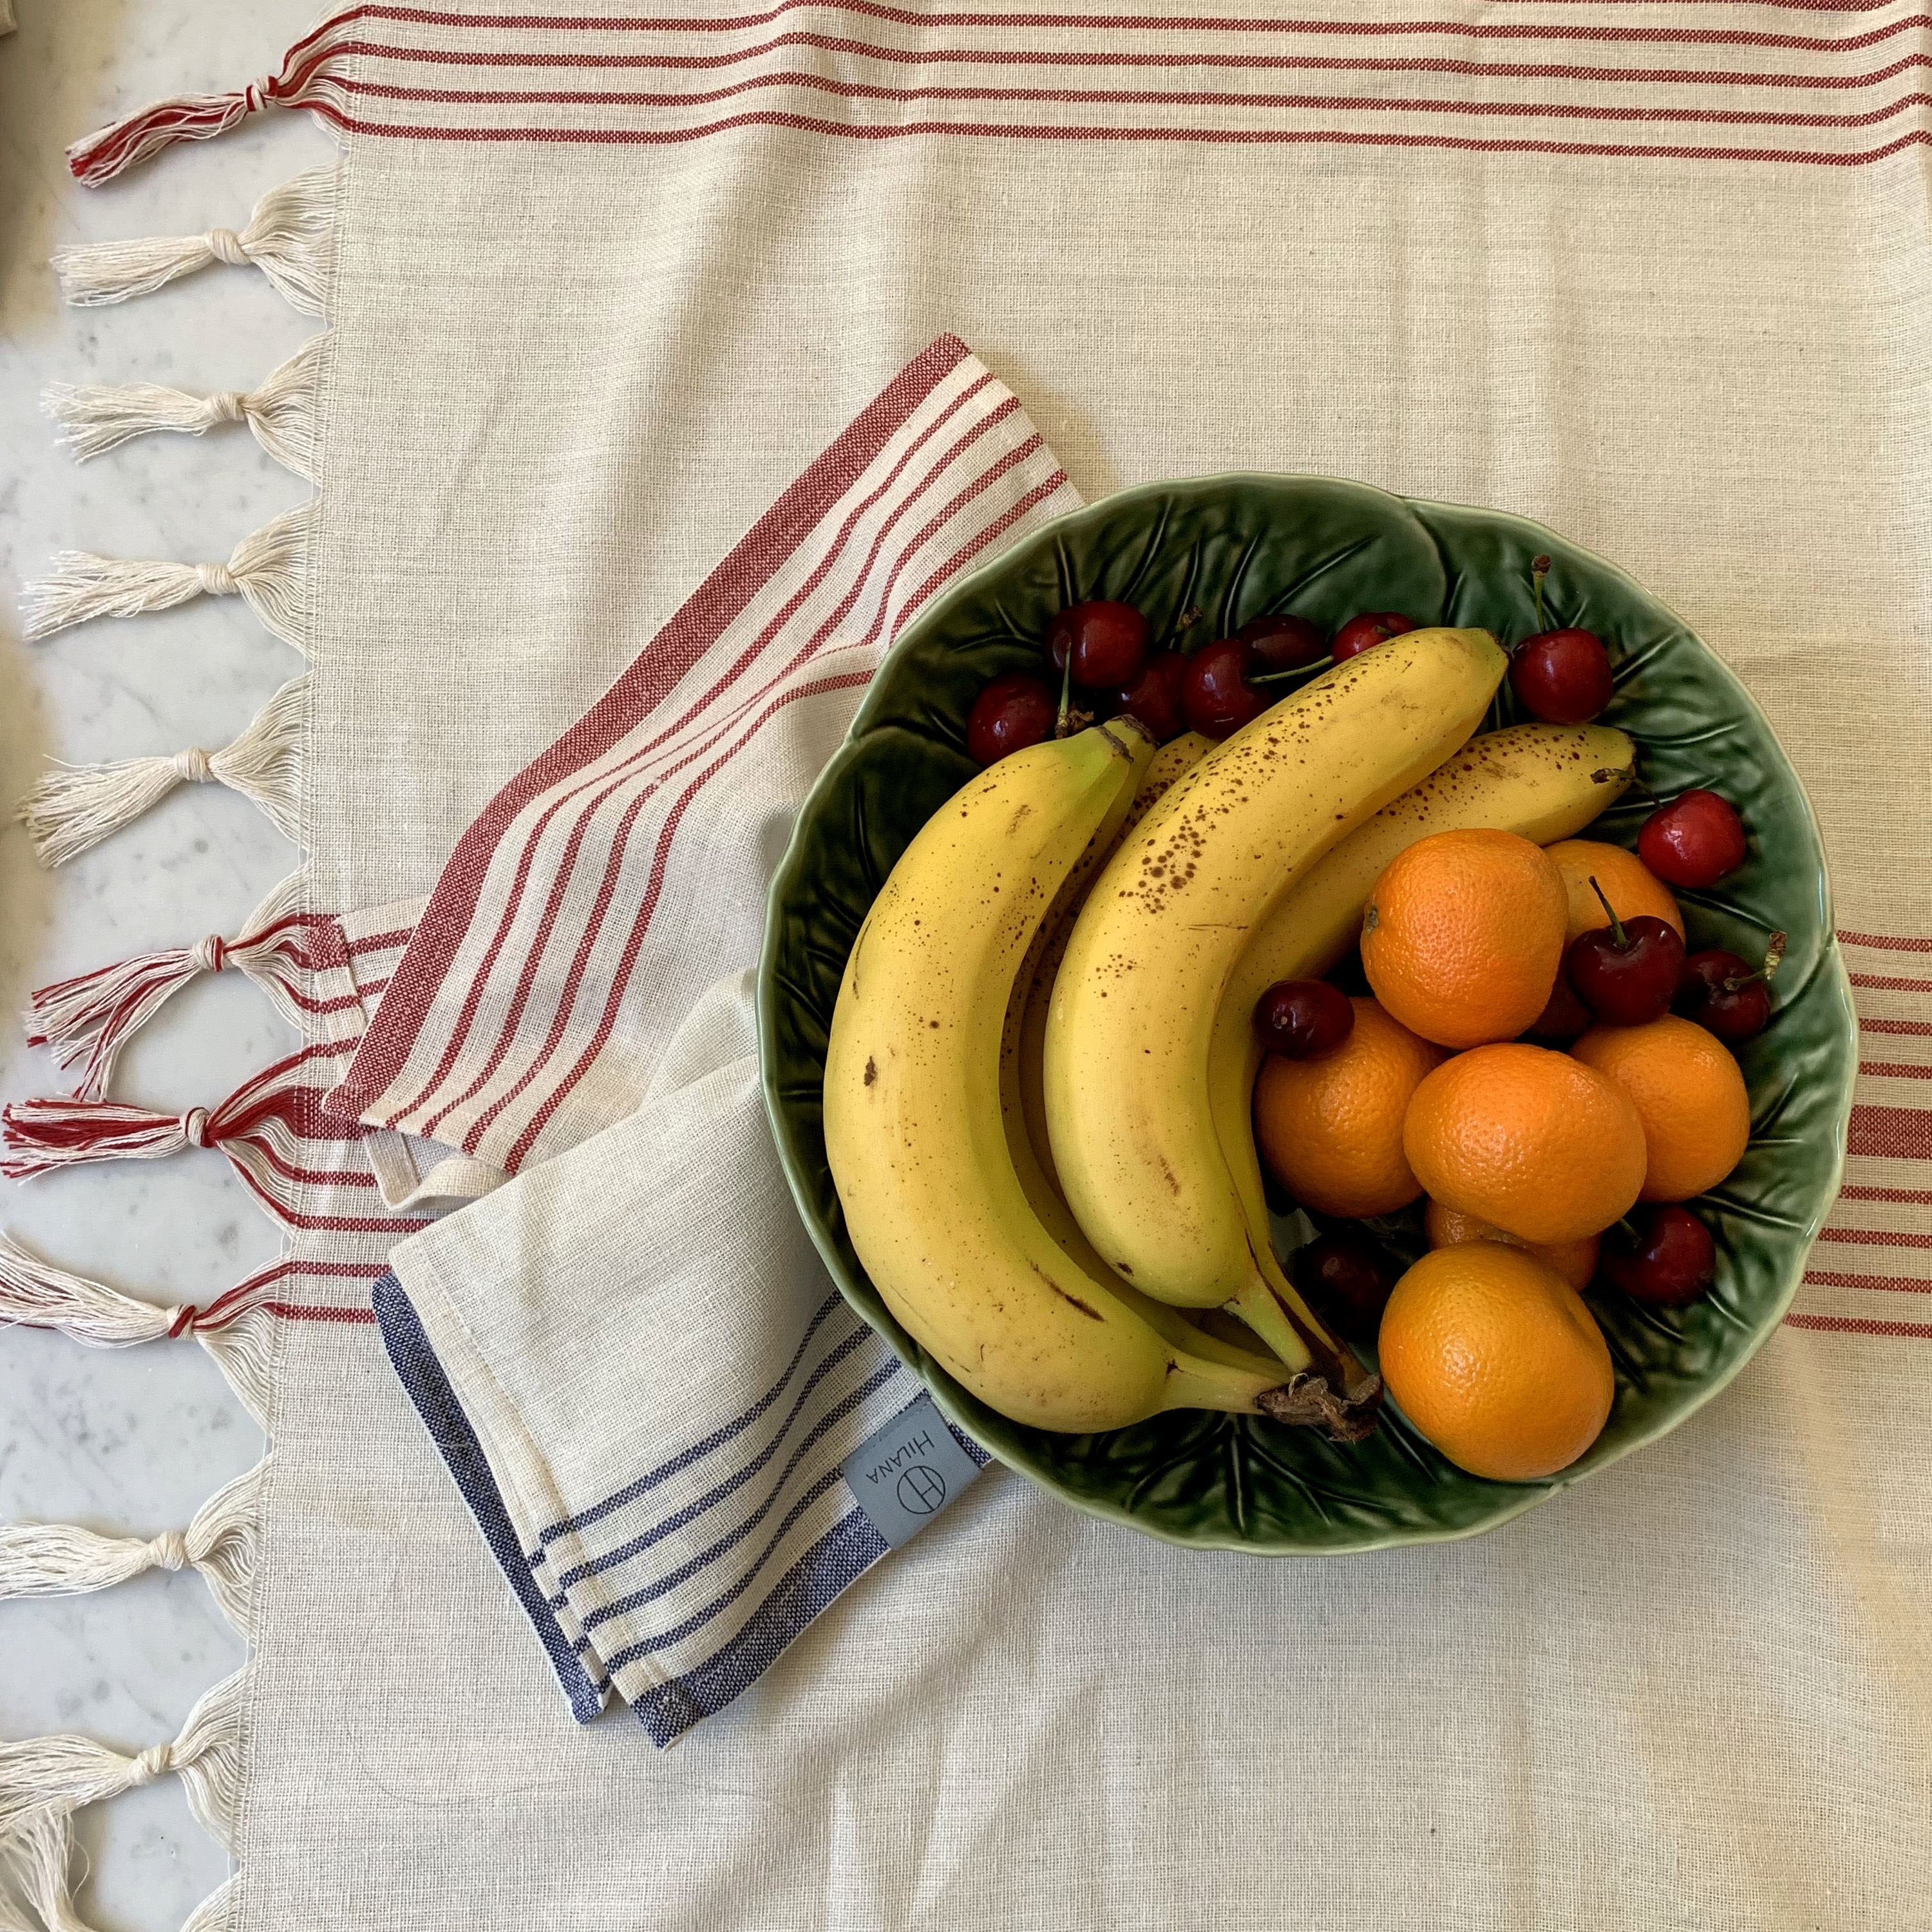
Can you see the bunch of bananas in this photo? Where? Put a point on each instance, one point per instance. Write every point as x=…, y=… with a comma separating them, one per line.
x=1039, y=1084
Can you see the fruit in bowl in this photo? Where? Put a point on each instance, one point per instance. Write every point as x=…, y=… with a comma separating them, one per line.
x=1226, y=1385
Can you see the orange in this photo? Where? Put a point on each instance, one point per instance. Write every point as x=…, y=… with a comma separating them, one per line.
x=1331, y=1130
x=1528, y=1139
x=1463, y=934
x=1496, y=1361
x=1689, y=1094
x=1628, y=883
x=1572, y=1261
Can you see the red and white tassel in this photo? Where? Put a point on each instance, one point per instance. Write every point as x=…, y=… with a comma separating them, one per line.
x=290, y=1154
x=281, y=413
x=290, y=236
x=62, y=1559
x=86, y=1020
x=74, y=807
x=269, y=569
x=309, y=77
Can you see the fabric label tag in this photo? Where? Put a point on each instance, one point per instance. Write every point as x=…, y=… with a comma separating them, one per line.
x=906, y=1472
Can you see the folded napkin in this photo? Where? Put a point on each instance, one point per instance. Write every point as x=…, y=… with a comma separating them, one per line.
x=678, y=1442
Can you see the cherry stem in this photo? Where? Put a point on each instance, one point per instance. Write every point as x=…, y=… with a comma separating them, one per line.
x=1773, y=957
x=1617, y=938
x=1060, y=722
x=1539, y=568
x=1282, y=676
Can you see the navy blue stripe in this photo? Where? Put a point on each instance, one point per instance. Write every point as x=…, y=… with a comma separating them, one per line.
x=844, y=1553
x=685, y=1458
x=415, y=1364
x=651, y=1591
x=595, y=1566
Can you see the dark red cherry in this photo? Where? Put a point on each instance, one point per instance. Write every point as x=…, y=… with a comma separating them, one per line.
x=1724, y=994
x=1154, y=697
x=1562, y=677
x=1347, y=1277
x=1372, y=628
x=1672, y=1261
x=1216, y=694
x=1108, y=642
x=1283, y=643
x=1694, y=841
x=1627, y=972
x=1015, y=710
x=1564, y=1017
x=1303, y=1019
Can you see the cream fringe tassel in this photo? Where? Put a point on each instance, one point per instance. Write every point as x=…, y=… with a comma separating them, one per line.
x=269, y=568
x=290, y=237
x=37, y=1295
x=281, y=413
x=58, y=1559
x=74, y=807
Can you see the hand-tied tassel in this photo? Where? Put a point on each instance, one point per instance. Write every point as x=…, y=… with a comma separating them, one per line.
x=290, y=237
x=100, y=417
x=52, y=1778
x=74, y=807
x=60, y=1559
x=268, y=568
x=272, y=1130
x=309, y=77
x=88, y=1019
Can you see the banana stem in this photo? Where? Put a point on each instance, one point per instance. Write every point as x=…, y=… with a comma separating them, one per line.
x=1259, y=1307
x=1193, y=1382
x=1328, y=1389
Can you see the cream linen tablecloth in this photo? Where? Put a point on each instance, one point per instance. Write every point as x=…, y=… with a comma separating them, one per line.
x=1656, y=275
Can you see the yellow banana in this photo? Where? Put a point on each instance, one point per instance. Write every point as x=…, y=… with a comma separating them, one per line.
x=1131, y=1020
x=915, y=1132
x=1542, y=782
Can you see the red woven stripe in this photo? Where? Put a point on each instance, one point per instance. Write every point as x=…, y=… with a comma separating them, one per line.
x=629, y=137
x=1892, y=1133
x=1849, y=1324
x=850, y=90
x=1918, y=1196
x=1911, y=1029
x=1894, y=1069
x=297, y=1311
x=1875, y=1237
x=1882, y=983
x=1197, y=23
x=1890, y=1284
x=656, y=57
x=1890, y=942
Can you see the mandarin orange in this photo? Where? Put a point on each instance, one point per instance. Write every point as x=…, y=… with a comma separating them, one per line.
x=1463, y=936
x=1330, y=1129
x=1574, y=1262
x=1631, y=887
x=1528, y=1139
x=1689, y=1095
x=1496, y=1360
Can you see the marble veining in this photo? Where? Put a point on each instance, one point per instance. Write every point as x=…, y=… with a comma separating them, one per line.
x=133, y=1441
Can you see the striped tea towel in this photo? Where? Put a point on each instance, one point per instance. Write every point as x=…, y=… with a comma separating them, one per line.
x=629, y=1354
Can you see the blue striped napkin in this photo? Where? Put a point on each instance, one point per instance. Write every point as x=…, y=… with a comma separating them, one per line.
x=679, y=1443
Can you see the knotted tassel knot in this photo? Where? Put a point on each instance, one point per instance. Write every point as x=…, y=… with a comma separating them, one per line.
x=210, y=954
x=225, y=245
x=157, y=1761
x=227, y=406
x=182, y=1321
x=168, y=1551
x=216, y=579
x=192, y=766
x=194, y=1125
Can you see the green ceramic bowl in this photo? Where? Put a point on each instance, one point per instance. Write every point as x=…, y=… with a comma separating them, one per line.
x=1236, y=547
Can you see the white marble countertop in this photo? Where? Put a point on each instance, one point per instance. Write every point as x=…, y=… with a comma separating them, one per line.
x=133, y=1441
